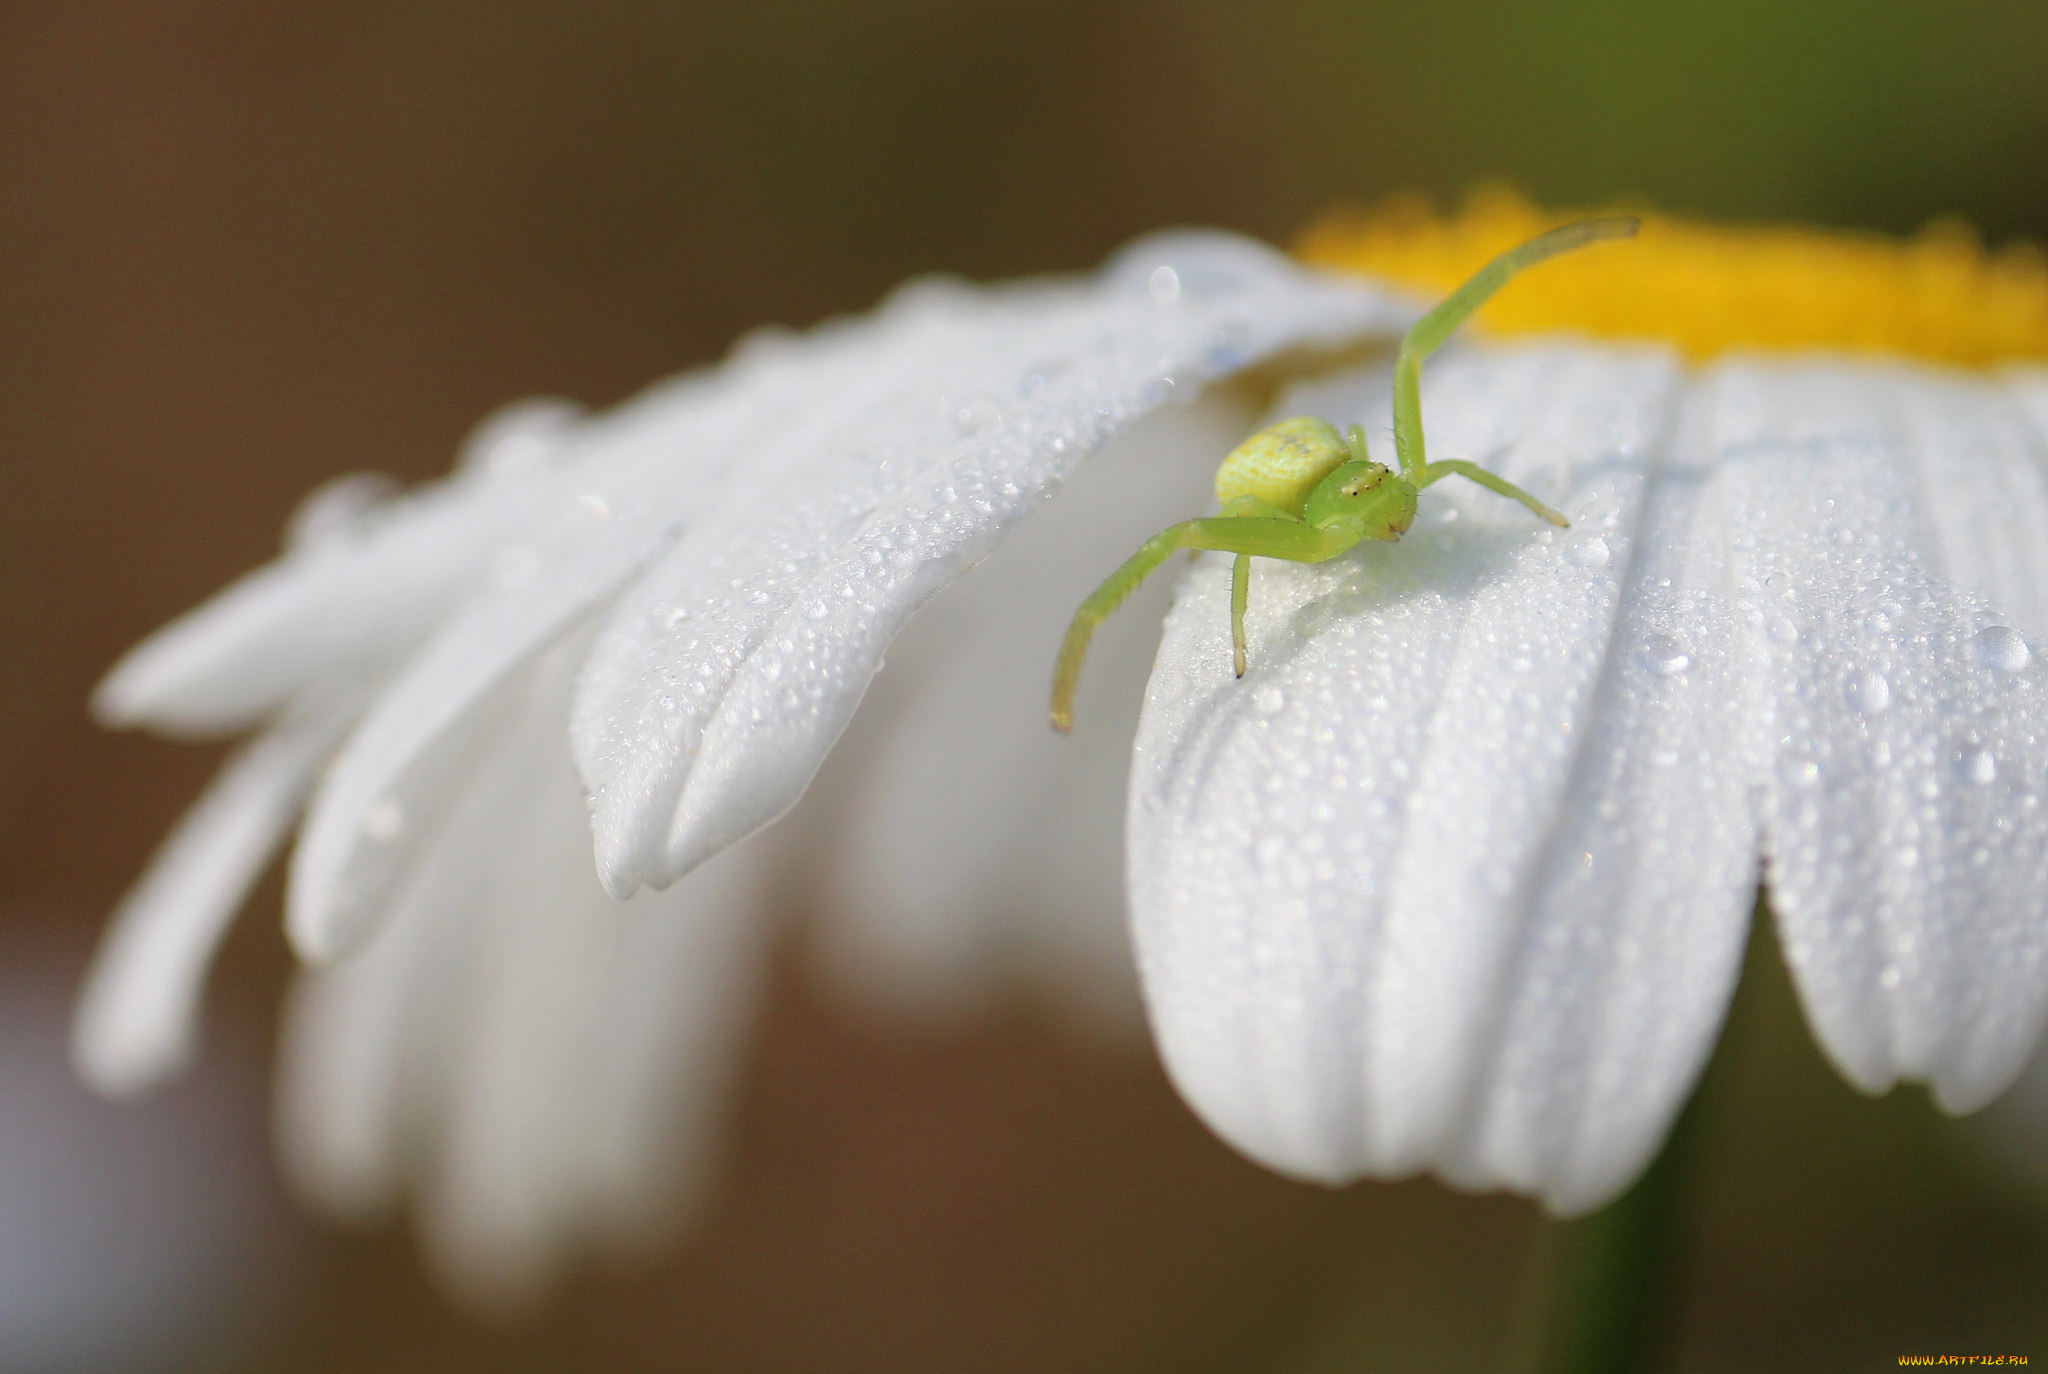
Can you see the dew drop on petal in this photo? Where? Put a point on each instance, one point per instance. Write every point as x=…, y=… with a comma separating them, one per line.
x=976, y=415
x=1269, y=701
x=1977, y=764
x=1163, y=285
x=1587, y=551
x=2000, y=648
x=1868, y=693
x=1799, y=773
x=1664, y=655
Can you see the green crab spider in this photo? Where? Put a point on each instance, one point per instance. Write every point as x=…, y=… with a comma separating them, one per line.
x=1300, y=491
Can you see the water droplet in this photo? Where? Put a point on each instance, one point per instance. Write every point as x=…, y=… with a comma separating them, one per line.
x=1587, y=551
x=595, y=504
x=1867, y=693
x=1163, y=285
x=342, y=507
x=1799, y=773
x=1228, y=346
x=1888, y=978
x=1269, y=701
x=2001, y=649
x=1976, y=764
x=383, y=820
x=1782, y=630
x=976, y=415
x=1664, y=656
x=1156, y=392
x=1043, y=371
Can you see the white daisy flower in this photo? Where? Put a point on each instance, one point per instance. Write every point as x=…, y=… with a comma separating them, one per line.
x=649, y=628
x=1455, y=878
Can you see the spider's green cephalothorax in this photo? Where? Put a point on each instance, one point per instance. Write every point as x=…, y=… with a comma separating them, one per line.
x=1300, y=491
x=1370, y=497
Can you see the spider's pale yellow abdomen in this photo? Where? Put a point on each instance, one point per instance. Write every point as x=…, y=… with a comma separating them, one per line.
x=1281, y=465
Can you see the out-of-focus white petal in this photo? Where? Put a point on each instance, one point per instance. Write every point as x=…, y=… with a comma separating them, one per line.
x=1900, y=718
x=362, y=584
x=727, y=672
x=137, y=1021
x=543, y=1064
x=964, y=843
x=1458, y=873
x=637, y=479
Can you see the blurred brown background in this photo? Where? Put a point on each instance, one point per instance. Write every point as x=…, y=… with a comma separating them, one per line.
x=246, y=247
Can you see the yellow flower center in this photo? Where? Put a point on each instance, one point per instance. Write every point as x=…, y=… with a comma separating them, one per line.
x=1710, y=289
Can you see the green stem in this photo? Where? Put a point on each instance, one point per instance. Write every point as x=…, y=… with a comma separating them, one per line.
x=1613, y=1278
x=1609, y=1284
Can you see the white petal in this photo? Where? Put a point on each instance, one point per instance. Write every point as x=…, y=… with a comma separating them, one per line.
x=362, y=585
x=1633, y=929
x=638, y=477
x=588, y=1087
x=353, y=1035
x=547, y=1066
x=726, y=674
x=1901, y=721
x=967, y=844
x=137, y=1021
x=1368, y=933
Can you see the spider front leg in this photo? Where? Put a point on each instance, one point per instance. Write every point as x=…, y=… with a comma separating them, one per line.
x=1248, y=536
x=1458, y=467
x=1241, y=569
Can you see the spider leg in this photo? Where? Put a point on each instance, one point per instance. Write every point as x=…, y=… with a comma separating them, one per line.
x=1240, y=592
x=1458, y=467
x=1440, y=323
x=1245, y=535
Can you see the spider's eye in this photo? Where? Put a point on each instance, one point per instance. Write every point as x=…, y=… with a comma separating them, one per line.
x=1363, y=482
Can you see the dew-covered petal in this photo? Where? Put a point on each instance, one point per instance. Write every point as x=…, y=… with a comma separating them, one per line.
x=137, y=1021
x=1369, y=932
x=1978, y=458
x=638, y=479
x=1897, y=710
x=1632, y=928
x=727, y=672
x=965, y=846
x=363, y=582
